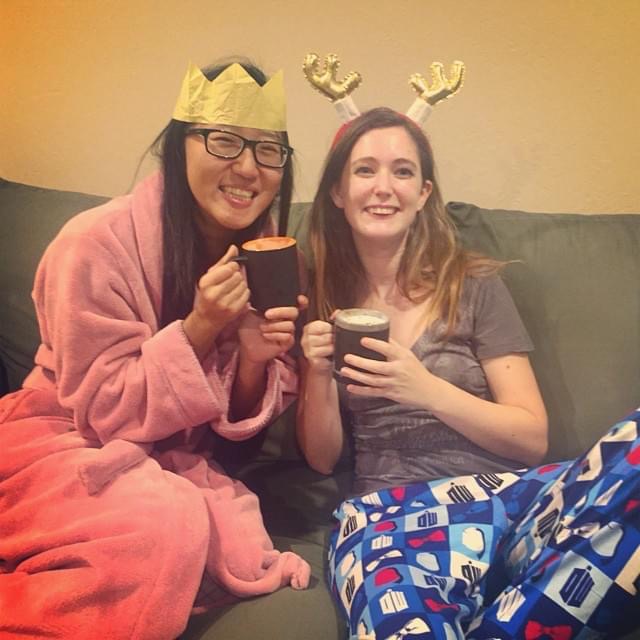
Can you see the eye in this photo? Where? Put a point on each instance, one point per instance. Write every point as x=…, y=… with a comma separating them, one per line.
x=270, y=149
x=363, y=170
x=405, y=172
x=223, y=140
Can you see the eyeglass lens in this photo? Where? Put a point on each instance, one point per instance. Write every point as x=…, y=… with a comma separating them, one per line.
x=230, y=145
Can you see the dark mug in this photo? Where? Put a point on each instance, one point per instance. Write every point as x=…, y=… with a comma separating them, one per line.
x=271, y=264
x=351, y=325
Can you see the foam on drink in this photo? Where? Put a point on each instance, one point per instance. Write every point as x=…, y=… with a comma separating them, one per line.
x=361, y=319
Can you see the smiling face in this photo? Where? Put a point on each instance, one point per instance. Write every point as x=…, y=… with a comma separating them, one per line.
x=230, y=194
x=381, y=188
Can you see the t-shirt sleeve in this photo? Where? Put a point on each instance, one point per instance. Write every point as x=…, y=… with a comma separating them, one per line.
x=498, y=328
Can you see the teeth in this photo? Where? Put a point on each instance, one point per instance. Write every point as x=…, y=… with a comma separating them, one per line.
x=240, y=193
x=381, y=210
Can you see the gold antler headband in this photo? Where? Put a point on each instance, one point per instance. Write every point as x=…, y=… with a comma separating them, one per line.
x=325, y=81
x=440, y=89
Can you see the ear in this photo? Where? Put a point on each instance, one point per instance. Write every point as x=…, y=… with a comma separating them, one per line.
x=336, y=195
x=337, y=198
x=427, y=188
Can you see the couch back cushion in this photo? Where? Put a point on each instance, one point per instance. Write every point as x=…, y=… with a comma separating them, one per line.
x=577, y=286
x=29, y=218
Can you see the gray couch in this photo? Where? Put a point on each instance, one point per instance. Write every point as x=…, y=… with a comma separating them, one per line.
x=577, y=286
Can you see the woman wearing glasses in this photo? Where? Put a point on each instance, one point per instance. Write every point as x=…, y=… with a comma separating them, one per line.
x=116, y=520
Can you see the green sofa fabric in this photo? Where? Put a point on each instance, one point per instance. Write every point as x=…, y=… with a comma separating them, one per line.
x=29, y=217
x=575, y=280
x=577, y=287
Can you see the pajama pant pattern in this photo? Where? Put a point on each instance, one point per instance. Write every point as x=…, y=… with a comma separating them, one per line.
x=561, y=540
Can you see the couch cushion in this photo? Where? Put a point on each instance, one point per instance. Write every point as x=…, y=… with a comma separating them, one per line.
x=577, y=289
x=283, y=615
x=576, y=286
x=29, y=218
x=297, y=504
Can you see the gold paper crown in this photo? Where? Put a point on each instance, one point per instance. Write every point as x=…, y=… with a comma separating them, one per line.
x=234, y=98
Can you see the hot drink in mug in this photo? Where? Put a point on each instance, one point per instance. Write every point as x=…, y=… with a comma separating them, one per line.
x=271, y=264
x=351, y=325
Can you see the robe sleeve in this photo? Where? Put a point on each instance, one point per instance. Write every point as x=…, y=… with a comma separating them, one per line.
x=118, y=374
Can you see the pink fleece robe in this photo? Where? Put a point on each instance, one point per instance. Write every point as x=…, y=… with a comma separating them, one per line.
x=111, y=514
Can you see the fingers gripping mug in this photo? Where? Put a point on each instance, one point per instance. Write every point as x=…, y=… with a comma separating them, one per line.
x=351, y=325
x=271, y=264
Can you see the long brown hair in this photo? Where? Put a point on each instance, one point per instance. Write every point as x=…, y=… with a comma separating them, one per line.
x=433, y=262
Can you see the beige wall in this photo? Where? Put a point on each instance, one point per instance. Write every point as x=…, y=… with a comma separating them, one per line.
x=547, y=119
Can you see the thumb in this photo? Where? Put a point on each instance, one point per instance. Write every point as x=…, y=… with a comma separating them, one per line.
x=232, y=252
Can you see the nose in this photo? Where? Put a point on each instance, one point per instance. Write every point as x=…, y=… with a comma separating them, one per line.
x=245, y=164
x=382, y=184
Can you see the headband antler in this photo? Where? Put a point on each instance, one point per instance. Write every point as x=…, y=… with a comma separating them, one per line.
x=440, y=89
x=325, y=81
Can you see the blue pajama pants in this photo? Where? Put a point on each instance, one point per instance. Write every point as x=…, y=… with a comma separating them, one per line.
x=551, y=552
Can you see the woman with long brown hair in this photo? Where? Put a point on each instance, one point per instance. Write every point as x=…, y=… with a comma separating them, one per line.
x=445, y=535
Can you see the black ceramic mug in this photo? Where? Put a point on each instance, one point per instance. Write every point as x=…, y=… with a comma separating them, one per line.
x=271, y=264
x=351, y=325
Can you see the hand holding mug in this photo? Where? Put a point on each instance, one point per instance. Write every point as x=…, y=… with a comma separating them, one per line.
x=397, y=375
x=221, y=296
x=317, y=345
x=265, y=337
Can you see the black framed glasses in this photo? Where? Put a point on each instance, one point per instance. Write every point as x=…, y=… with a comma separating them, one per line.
x=227, y=145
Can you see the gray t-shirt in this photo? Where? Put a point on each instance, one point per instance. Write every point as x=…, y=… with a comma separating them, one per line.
x=398, y=444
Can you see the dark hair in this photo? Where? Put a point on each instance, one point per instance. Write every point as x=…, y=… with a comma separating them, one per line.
x=184, y=259
x=433, y=262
